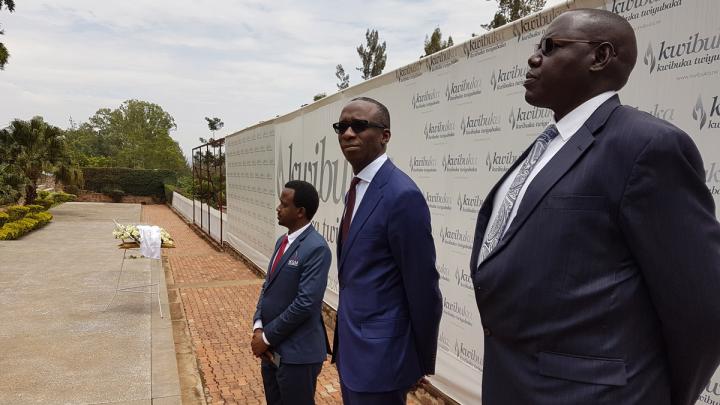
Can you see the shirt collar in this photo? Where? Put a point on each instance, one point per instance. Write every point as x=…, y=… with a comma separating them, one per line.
x=369, y=171
x=575, y=119
x=292, y=236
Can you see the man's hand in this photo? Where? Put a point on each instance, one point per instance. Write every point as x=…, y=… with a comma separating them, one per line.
x=258, y=344
x=421, y=383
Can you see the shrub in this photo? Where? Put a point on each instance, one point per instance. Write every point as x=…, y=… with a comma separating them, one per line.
x=35, y=208
x=72, y=189
x=46, y=202
x=169, y=189
x=140, y=182
x=17, y=212
x=4, y=218
x=61, y=197
x=43, y=194
x=10, y=231
x=42, y=217
x=115, y=194
x=16, y=229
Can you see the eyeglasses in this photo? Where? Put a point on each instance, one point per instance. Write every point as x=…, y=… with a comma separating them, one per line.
x=356, y=125
x=547, y=45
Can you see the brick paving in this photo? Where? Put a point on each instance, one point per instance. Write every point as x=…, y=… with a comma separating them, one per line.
x=219, y=294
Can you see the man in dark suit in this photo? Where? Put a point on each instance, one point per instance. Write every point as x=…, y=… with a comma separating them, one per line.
x=289, y=334
x=390, y=303
x=596, y=260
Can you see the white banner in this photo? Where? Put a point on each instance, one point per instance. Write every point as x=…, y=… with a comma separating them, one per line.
x=459, y=120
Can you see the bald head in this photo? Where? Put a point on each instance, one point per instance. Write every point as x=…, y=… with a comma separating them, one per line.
x=610, y=27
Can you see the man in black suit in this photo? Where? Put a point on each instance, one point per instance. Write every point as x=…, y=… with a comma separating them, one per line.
x=596, y=260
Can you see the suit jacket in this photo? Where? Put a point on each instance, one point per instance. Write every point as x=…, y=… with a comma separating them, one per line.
x=290, y=303
x=390, y=303
x=604, y=289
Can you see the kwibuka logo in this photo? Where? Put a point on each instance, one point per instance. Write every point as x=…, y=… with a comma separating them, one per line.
x=680, y=54
x=462, y=89
x=425, y=99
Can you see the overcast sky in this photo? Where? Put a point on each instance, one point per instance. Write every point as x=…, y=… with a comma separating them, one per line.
x=243, y=61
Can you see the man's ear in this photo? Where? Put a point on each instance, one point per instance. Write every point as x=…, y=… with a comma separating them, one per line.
x=603, y=54
x=385, y=136
x=301, y=213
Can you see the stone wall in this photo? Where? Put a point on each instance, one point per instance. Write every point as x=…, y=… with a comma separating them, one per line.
x=128, y=199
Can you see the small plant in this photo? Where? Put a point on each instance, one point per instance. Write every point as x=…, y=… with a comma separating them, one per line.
x=4, y=218
x=72, y=189
x=17, y=212
x=116, y=195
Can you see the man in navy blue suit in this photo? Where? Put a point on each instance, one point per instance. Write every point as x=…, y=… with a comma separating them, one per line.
x=289, y=334
x=390, y=304
x=596, y=260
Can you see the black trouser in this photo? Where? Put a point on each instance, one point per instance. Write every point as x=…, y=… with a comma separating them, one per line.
x=290, y=384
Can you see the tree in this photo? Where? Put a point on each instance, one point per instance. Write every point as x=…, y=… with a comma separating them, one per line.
x=511, y=10
x=215, y=124
x=32, y=147
x=344, y=79
x=435, y=43
x=135, y=135
x=319, y=96
x=373, y=56
x=4, y=54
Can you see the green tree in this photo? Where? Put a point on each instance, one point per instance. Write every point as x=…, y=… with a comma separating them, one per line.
x=511, y=10
x=215, y=124
x=32, y=147
x=435, y=42
x=344, y=79
x=372, y=55
x=319, y=96
x=4, y=54
x=135, y=135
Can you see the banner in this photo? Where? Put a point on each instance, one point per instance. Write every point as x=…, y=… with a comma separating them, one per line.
x=459, y=121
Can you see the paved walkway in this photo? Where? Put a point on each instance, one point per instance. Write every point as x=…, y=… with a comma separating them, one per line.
x=219, y=293
x=58, y=345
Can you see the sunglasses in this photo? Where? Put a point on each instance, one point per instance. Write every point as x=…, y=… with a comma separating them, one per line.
x=547, y=45
x=356, y=125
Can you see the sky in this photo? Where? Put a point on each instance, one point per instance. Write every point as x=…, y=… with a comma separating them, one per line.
x=243, y=61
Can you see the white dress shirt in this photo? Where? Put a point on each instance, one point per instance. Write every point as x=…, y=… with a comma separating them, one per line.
x=366, y=175
x=567, y=127
x=291, y=238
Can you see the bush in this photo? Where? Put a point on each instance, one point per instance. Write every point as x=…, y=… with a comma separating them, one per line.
x=115, y=194
x=35, y=208
x=17, y=212
x=46, y=202
x=169, y=189
x=16, y=229
x=42, y=217
x=61, y=197
x=43, y=194
x=11, y=230
x=4, y=218
x=72, y=189
x=140, y=182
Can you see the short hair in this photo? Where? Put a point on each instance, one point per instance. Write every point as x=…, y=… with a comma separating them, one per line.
x=617, y=30
x=305, y=196
x=383, y=115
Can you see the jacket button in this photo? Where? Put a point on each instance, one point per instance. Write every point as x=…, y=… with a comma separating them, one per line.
x=487, y=331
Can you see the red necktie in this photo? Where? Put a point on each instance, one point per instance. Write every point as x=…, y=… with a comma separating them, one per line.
x=279, y=254
x=349, y=208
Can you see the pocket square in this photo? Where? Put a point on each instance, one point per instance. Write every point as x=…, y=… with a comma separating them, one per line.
x=294, y=261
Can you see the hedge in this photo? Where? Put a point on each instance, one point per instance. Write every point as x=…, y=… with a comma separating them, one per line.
x=140, y=182
x=4, y=218
x=16, y=229
x=17, y=212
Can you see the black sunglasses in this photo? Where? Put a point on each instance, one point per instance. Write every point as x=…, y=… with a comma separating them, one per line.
x=547, y=44
x=356, y=125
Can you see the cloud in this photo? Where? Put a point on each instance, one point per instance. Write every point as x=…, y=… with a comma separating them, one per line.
x=243, y=61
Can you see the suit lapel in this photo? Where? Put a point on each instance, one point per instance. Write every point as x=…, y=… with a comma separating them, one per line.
x=287, y=254
x=370, y=200
x=556, y=168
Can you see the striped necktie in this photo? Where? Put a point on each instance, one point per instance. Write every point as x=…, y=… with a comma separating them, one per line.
x=498, y=227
